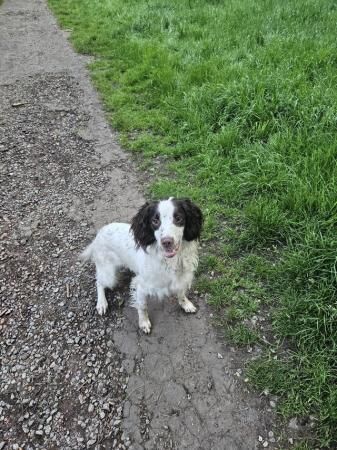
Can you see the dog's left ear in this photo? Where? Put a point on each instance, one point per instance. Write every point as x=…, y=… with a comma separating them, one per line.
x=141, y=227
x=193, y=220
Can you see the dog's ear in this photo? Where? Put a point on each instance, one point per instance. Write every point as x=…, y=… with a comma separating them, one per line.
x=193, y=220
x=141, y=226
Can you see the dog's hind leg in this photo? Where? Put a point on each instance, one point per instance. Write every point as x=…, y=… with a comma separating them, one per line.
x=102, y=304
x=105, y=278
x=139, y=301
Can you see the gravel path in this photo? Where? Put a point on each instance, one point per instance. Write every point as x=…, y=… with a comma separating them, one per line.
x=69, y=378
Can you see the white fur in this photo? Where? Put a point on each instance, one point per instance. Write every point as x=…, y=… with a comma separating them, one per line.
x=155, y=275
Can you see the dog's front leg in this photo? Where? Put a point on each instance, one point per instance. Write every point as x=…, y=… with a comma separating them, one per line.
x=185, y=303
x=140, y=302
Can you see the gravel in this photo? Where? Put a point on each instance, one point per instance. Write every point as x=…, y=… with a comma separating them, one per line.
x=57, y=364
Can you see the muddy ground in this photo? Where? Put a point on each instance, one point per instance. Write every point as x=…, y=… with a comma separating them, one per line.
x=71, y=379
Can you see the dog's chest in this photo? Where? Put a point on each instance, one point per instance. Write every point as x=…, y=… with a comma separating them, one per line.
x=165, y=277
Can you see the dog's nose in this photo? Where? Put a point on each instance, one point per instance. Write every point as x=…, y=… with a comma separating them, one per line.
x=167, y=242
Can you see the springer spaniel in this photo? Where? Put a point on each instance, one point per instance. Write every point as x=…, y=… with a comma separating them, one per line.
x=160, y=247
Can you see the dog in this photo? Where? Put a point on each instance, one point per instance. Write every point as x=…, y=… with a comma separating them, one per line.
x=160, y=247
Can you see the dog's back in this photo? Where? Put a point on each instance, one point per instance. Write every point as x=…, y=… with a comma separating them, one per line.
x=113, y=244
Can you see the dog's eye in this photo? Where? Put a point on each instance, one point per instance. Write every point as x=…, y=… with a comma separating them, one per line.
x=178, y=218
x=155, y=221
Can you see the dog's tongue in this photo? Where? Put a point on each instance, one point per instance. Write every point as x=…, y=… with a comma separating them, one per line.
x=170, y=253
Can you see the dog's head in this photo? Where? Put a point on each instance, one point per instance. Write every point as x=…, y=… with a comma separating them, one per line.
x=168, y=223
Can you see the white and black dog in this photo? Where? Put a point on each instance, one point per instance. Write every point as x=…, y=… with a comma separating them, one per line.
x=160, y=247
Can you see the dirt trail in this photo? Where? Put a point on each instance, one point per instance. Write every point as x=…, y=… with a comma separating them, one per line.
x=69, y=378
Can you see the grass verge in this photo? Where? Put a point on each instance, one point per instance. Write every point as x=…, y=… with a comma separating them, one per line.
x=239, y=98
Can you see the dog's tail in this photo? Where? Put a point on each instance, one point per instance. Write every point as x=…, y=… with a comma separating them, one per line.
x=86, y=255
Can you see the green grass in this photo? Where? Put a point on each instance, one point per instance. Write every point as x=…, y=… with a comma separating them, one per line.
x=240, y=99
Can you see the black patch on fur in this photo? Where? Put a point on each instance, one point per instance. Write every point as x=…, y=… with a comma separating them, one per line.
x=193, y=218
x=141, y=225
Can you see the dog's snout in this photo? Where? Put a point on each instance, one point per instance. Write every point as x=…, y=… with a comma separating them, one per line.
x=167, y=242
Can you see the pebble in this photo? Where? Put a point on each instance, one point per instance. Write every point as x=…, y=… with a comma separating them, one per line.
x=47, y=364
x=293, y=423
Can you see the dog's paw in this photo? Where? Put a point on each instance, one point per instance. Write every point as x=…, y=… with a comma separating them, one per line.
x=145, y=325
x=102, y=307
x=188, y=306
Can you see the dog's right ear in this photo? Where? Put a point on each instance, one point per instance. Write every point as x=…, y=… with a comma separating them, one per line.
x=141, y=225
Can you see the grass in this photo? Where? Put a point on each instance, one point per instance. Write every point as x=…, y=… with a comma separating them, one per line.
x=239, y=98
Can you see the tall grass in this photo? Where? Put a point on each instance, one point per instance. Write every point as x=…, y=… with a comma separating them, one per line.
x=240, y=97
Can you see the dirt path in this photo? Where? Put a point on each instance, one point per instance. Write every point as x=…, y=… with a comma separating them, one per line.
x=69, y=378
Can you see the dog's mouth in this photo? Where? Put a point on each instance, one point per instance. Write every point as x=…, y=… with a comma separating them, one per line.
x=170, y=252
